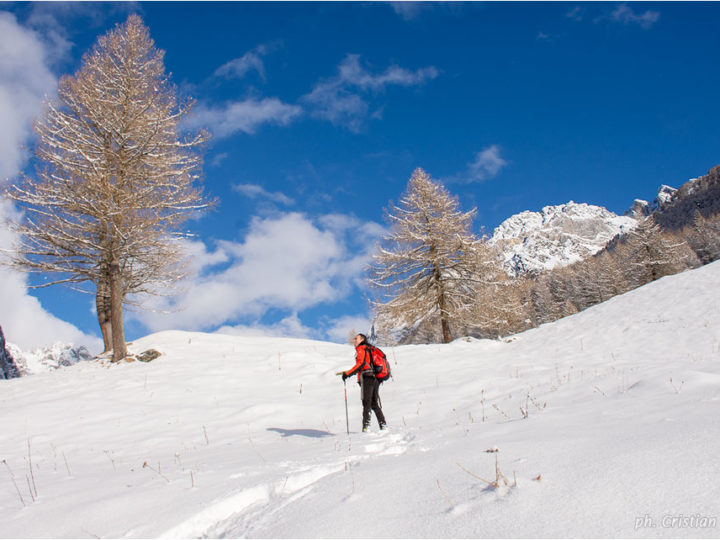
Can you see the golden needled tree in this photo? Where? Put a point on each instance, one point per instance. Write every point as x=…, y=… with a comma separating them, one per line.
x=115, y=179
x=426, y=268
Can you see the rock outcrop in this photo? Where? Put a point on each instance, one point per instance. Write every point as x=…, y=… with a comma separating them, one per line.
x=8, y=368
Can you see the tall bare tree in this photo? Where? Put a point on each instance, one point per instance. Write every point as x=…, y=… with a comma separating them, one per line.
x=115, y=178
x=425, y=269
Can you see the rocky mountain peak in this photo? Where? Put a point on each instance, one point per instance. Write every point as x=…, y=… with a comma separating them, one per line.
x=556, y=236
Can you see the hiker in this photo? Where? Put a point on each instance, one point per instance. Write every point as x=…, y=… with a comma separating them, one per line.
x=369, y=384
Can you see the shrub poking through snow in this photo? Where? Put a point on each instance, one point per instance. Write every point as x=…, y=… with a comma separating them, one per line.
x=149, y=355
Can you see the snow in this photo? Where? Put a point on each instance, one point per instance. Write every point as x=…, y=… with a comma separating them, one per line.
x=664, y=195
x=245, y=436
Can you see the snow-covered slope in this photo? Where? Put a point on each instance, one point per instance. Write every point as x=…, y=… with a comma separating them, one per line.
x=607, y=421
x=556, y=236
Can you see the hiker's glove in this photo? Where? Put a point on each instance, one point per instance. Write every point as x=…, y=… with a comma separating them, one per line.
x=344, y=376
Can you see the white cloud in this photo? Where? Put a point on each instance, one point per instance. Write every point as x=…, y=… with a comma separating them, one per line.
x=576, y=14
x=23, y=319
x=411, y=10
x=487, y=164
x=24, y=80
x=217, y=160
x=290, y=326
x=335, y=330
x=52, y=21
x=339, y=329
x=253, y=190
x=353, y=74
x=340, y=99
x=287, y=262
x=239, y=67
x=244, y=116
x=624, y=14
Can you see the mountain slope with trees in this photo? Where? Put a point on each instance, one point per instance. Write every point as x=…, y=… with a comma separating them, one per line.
x=570, y=257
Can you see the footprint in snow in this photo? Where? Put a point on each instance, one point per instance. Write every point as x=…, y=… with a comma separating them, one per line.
x=386, y=444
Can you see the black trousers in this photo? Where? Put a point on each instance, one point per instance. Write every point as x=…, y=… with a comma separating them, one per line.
x=370, y=395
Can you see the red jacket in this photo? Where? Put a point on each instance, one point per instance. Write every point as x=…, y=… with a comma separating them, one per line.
x=362, y=361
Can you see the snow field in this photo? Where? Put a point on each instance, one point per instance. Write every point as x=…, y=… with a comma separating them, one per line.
x=602, y=418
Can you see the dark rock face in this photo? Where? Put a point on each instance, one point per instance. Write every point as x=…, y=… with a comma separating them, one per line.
x=8, y=369
x=699, y=197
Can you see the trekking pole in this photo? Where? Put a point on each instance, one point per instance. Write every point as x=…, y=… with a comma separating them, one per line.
x=347, y=418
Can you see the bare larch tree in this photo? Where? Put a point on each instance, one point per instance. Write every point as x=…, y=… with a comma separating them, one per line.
x=425, y=269
x=114, y=181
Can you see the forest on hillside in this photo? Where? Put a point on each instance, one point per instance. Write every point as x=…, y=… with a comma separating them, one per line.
x=434, y=290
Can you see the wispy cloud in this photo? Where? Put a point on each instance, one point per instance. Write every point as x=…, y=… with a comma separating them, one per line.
x=253, y=191
x=239, y=67
x=53, y=21
x=240, y=115
x=487, y=164
x=576, y=14
x=411, y=10
x=343, y=99
x=244, y=116
x=217, y=160
x=624, y=14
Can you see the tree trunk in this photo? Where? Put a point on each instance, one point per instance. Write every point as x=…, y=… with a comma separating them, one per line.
x=444, y=324
x=447, y=336
x=103, y=305
x=116, y=317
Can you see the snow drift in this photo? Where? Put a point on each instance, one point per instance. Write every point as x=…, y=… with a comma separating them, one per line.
x=605, y=425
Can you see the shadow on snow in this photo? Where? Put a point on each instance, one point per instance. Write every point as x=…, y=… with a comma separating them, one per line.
x=314, y=433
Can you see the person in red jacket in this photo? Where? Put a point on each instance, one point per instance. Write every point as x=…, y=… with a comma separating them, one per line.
x=369, y=385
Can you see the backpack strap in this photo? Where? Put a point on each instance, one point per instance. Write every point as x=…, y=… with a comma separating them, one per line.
x=367, y=362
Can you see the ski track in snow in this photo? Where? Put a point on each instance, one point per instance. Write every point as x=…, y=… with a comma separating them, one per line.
x=237, y=514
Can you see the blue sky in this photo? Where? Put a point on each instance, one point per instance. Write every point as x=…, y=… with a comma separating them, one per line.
x=321, y=111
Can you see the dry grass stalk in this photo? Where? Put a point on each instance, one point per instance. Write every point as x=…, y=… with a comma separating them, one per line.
x=12, y=477
x=452, y=506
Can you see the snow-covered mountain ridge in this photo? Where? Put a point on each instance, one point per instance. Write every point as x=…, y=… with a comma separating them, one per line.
x=564, y=234
x=556, y=236
x=55, y=356
x=603, y=423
